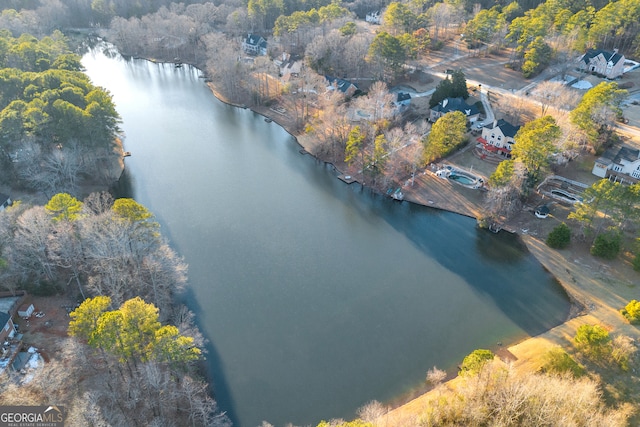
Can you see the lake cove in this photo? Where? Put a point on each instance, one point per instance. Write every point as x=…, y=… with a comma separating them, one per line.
x=316, y=296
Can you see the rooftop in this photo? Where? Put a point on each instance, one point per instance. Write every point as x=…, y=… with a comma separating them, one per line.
x=456, y=104
x=507, y=128
x=608, y=55
x=7, y=303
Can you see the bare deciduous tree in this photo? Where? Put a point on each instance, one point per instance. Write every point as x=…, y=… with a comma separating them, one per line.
x=372, y=412
x=28, y=254
x=436, y=376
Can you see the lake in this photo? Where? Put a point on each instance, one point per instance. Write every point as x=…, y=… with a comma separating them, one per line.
x=316, y=296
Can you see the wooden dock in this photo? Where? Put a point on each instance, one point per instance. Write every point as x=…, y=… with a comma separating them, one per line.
x=347, y=178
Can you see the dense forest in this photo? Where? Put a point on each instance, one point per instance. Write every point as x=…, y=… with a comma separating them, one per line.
x=55, y=126
x=58, y=132
x=59, y=135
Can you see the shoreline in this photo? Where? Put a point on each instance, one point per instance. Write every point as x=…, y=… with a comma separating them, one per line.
x=528, y=352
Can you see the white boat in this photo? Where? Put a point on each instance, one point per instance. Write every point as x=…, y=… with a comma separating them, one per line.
x=397, y=195
x=126, y=154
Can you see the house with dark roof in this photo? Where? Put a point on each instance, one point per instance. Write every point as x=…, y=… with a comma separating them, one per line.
x=603, y=62
x=454, y=104
x=402, y=101
x=498, y=137
x=7, y=328
x=5, y=201
x=619, y=163
x=254, y=45
x=344, y=86
x=289, y=66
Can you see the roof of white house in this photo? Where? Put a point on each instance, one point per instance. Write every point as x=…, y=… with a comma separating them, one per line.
x=507, y=128
x=618, y=153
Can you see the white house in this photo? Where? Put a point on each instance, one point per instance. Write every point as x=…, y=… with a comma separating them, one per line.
x=606, y=63
x=290, y=67
x=497, y=137
x=619, y=163
x=254, y=45
x=374, y=17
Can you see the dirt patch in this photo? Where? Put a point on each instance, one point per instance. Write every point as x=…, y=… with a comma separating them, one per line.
x=45, y=332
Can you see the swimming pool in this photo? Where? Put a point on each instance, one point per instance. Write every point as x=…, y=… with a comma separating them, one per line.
x=566, y=196
x=462, y=179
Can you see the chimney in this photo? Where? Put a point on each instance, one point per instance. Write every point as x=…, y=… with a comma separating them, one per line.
x=495, y=123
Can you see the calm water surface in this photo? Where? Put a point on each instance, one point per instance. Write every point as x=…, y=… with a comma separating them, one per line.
x=316, y=296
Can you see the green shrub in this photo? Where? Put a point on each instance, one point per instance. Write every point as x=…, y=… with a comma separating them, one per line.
x=607, y=245
x=636, y=262
x=593, y=340
x=558, y=361
x=472, y=364
x=632, y=311
x=559, y=237
x=437, y=45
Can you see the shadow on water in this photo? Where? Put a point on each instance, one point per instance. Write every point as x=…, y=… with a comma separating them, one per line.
x=124, y=188
x=213, y=364
x=503, y=269
x=534, y=301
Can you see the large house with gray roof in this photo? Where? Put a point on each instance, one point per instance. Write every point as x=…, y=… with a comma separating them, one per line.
x=454, y=104
x=603, y=62
x=254, y=44
x=619, y=163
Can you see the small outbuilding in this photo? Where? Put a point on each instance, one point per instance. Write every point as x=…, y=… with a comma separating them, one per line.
x=26, y=310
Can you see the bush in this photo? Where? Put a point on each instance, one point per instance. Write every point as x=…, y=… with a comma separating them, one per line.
x=437, y=45
x=632, y=311
x=559, y=237
x=607, y=245
x=622, y=349
x=636, y=262
x=558, y=361
x=593, y=340
x=472, y=364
